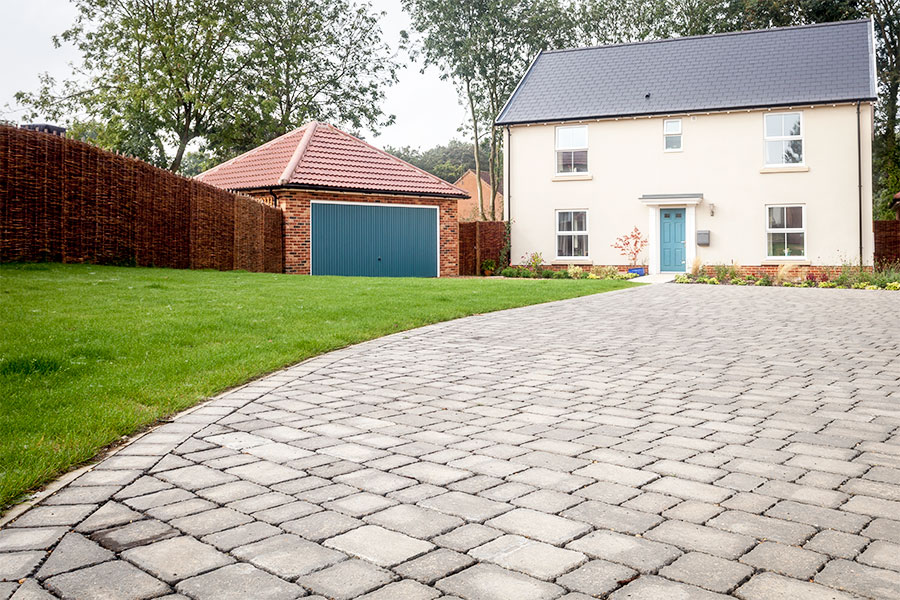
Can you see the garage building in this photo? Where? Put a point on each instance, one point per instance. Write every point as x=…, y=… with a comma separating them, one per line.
x=349, y=208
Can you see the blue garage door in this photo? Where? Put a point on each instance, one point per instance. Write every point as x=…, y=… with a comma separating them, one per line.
x=374, y=240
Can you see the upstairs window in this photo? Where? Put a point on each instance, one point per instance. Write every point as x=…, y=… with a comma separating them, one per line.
x=672, y=134
x=785, y=232
x=784, y=139
x=571, y=149
x=571, y=234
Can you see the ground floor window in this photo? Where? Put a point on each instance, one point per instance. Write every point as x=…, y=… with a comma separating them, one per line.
x=786, y=231
x=571, y=234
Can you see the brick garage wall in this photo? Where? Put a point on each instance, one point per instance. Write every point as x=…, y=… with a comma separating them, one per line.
x=66, y=201
x=887, y=241
x=295, y=203
x=479, y=241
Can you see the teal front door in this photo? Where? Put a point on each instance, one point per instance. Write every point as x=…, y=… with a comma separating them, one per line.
x=374, y=240
x=672, y=246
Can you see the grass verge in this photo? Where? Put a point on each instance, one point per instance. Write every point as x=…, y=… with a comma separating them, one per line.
x=89, y=354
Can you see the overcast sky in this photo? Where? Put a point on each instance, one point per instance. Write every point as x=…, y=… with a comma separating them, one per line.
x=428, y=112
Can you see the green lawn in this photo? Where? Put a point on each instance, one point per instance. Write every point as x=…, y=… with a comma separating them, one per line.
x=88, y=354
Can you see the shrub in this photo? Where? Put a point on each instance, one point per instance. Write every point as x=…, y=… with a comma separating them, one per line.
x=713, y=281
x=533, y=261
x=488, y=265
x=547, y=273
x=560, y=275
x=510, y=272
x=683, y=279
x=786, y=273
x=605, y=272
x=696, y=265
x=575, y=272
x=764, y=280
x=827, y=284
x=893, y=285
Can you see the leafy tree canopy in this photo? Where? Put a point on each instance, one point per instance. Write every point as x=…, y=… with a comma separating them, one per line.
x=156, y=75
x=448, y=161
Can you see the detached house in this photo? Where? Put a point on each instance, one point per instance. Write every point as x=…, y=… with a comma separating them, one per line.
x=349, y=208
x=751, y=147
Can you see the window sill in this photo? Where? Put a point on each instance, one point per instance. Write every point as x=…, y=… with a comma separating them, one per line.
x=802, y=261
x=560, y=260
x=575, y=177
x=785, y=169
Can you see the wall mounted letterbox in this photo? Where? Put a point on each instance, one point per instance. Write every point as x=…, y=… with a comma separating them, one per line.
x=703, y=237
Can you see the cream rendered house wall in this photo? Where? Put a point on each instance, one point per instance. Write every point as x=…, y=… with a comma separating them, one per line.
x=722, y=160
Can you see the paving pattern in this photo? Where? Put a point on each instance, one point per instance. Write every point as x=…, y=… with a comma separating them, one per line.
x=664, y=442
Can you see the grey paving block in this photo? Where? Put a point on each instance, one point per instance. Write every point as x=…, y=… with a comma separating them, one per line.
x=286, y=512
x=265, y=473
x=180, y=509
x=466, y=506
x=638, y=553
x=116, y=579
x=7, y=589
x=488, y=582
x=347, y=580
x=241, y=535
x=383, y=547
x=239, y=582
x=693, y=511
x=700, y=538
x=176, y=558
x=82, y=495
x=162, y=497
x=824, y=518
x=884, y=555
x=531, y=557
x=786, y=560
x=463, y=539
x=19, y=565
x=45, y=516
x=650, y=587
x=31, y=590
x=534, y=524
x=770, y=586
x=873, y=507
x=38, y=538
x=414, y=521
x=596, y=578
x=359, y=505
x=859, y=579
x=108, y=515
x=548, y=501
x=210, y=521
x=72, y=552
x=883, y=529
x=434, y=565
x=232, y=492
x=287, y=556
x=403, y=590
x=689, y=490
x=836, y=543
x=375, y=481
x=607, y=516
x=134, y=534
x=708, y=572
x=762, y=527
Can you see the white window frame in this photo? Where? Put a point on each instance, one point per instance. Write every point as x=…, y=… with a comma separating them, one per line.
x=786, y=230
x=783, y=138
x=679, y=135
x=587, y=227
x=557, y=150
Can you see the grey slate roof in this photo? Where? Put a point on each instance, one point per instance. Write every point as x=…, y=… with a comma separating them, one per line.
x=812, y=64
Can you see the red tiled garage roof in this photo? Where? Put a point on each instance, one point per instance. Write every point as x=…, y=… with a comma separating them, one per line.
x=322, y=156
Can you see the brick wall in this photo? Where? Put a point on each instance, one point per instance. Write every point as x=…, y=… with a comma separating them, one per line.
x=479, y=241
x=887, y=241
x=66, y=201
x=295, y=203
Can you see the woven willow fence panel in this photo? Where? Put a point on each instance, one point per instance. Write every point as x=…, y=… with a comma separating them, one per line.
x=63, y=200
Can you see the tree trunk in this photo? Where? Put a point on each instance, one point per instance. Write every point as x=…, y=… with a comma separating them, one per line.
x=474, y=114
x=493, y=166
x=183, y=140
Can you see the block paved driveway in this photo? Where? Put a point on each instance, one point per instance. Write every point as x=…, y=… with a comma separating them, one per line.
x=665, y=442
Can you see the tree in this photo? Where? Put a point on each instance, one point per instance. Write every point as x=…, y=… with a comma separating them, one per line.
x=312, y=59
x=886, y=15
x=156, y=75
x=448, y=161
x=484, y=47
